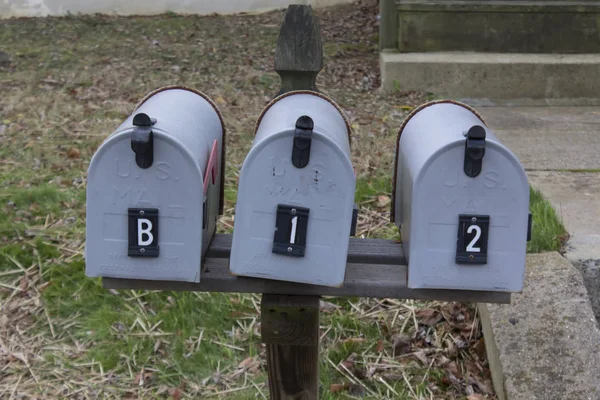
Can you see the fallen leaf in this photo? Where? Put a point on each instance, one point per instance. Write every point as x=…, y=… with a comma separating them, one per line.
x=480, y=349
x=143, y=378
x=422, y=356
x=73, y=153
x=401, y=344
x=428, y=317
x=357, y=390
x=250, y=363
x=383, y=201
x=175, y=393
x=454, y=373
x=451, y=349
x=349, y=362
x=336, y=387
x=380, y=346
x=24, y=283
x=475, y=397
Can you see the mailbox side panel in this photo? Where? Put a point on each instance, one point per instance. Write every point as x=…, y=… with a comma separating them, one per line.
x=326, y=187
x=173, y=186
x=442, y=192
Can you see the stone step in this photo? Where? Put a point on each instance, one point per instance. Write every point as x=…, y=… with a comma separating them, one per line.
x=545, y=345
x=508, y=26
x=496, y=78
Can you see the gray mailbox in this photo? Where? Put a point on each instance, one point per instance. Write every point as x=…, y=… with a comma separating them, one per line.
x=154, y=190
x=295, y=202
x=461, y=200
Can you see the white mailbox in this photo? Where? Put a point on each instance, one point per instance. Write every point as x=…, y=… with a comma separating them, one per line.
x=154, y=190
x=295, y=204
x=461, y=200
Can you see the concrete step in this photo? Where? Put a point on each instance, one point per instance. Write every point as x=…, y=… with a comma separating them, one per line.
x=544, y=345
x=496, y=78
x=533, y=26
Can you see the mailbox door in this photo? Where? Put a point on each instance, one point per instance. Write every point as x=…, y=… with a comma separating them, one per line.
x=322, y=194
x=484, y=219
x=167, y=199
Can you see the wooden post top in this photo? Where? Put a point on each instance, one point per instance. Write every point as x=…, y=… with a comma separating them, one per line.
x=299, y=53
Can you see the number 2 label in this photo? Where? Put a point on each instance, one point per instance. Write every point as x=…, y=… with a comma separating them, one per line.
x=472, y=239
x=471, y=246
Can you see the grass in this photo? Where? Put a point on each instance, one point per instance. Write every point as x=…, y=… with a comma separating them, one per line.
x=196, y=342
x=548, y=232
x=72, y=82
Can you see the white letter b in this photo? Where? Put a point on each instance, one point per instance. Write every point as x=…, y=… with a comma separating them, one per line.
x=147, y=230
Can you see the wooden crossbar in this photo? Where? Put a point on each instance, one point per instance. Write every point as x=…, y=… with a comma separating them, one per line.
x=376, y=268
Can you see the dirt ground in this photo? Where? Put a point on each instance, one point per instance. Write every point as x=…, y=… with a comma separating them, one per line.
x=65, y=85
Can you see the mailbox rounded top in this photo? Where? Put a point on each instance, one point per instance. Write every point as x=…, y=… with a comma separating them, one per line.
x=435, y=128
x=305, y=92
x=124, y=135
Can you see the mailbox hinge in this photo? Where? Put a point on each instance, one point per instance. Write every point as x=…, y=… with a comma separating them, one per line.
x=302, y=141
x=142, y=142
x=474, y=151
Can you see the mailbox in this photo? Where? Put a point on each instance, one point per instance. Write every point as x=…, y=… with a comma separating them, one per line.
x=154, y=190
x=295, y=204
x=461, y=199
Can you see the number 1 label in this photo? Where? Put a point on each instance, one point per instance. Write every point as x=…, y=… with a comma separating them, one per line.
x=293, y=230
x=291, y=227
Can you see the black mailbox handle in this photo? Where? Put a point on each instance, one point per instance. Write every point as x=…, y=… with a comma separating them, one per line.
x=302, y=141
x=474, y=151
x=142, y=141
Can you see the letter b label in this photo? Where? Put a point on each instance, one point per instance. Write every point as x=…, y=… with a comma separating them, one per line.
x=145, y=236
x=143, y=232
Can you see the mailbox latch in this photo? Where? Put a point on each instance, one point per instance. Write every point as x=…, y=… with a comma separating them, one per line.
x=302, y=141
x=474, y=151
x=354, y=220
x=142, y=142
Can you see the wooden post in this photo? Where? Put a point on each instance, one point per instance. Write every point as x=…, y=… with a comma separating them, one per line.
x=299, y=53
x=290, y=329
x=290, y=324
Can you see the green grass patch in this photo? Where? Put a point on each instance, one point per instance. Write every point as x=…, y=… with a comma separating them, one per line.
x=160, y=330
x=367, y=188
x=548, y=233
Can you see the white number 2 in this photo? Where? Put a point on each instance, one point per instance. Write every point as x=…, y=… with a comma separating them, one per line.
x=293, y=234
x=471, y=247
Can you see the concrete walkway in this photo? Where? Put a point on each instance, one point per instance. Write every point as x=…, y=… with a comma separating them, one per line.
x=560, y=149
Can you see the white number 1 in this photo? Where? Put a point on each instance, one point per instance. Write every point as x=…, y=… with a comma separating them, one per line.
x=293, y=234
x=471, y=247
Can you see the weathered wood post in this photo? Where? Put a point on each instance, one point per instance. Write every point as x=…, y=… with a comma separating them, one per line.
x=299, y=53
x=290, y=324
